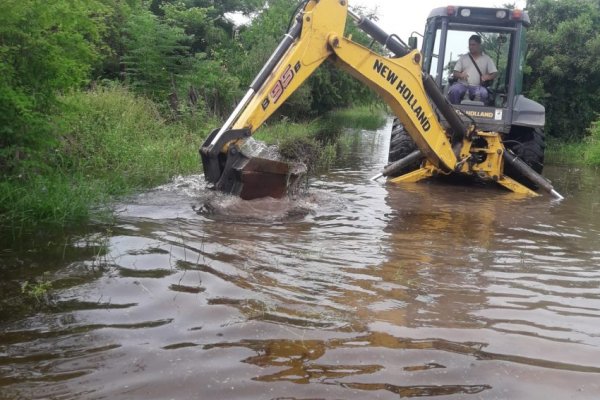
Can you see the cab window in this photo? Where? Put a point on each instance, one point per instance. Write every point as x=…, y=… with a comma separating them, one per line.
x=494, y=44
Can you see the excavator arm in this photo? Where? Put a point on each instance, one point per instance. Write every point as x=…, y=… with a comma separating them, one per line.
x=318, y=35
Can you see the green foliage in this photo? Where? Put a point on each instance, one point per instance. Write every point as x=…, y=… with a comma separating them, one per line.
x=370, y=117
x=211, y=80
x=316, y=142
x=586, y=152
x=111, y=133
x=40, y=291
x=179, y=55
x=112, y=48
x=111, y=143
x=564, y=63
x=302, y=141
x=156, y=54
x=333, y=88
x=207, y=31
x=592, y=150
x=45, y=47
x=565, y=153
x=50, y=198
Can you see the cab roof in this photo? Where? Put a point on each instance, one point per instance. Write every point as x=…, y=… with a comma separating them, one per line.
x=481, y=15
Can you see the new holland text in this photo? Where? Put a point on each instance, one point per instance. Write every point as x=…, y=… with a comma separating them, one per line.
x=404, y=91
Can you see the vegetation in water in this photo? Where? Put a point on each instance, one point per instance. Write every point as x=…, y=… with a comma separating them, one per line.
x=585, y=152
x=561, y=152
x=109, y=142
x=101, y=97
x=591, y=155
x=317, y=142
x=39, y=291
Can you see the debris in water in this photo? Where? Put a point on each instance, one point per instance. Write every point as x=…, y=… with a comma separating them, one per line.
x=266, y=209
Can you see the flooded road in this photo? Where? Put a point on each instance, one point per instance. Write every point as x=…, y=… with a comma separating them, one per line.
x=359, y=290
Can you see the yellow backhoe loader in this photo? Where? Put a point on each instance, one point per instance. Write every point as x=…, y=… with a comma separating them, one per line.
x=444, y=143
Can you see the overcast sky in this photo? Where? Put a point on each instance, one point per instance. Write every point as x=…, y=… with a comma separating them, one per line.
x=403, y=17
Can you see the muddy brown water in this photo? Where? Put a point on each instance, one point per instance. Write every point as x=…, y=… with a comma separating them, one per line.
x=359, y=290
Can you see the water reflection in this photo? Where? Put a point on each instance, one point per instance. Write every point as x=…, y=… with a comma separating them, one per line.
x=356, y=290
x=304, y=362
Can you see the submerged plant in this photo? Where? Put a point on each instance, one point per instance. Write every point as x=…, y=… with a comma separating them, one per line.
x=38, y=290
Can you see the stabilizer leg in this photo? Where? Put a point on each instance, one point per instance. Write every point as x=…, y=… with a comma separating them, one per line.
x=516, y=187
x=415, y=176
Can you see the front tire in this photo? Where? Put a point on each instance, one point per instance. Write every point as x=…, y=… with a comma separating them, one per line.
x=529, y=145
x=401, y=145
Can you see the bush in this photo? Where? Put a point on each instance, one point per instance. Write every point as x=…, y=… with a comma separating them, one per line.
x=586, y=152
x=110, y=143
x=110, y=132
x=592, y=152
x=316, y=143
x=45, y=47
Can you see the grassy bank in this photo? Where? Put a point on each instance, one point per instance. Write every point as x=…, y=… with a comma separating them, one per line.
x=111, y=143
x=108, y=143
x=318, y=142
x=579, y=153
x=564, y=153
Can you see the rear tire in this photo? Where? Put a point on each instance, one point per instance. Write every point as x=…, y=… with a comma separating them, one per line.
x=529, y=145
x=401, y=145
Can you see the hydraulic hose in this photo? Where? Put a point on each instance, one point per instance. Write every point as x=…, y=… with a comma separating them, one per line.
x=395, y=45
x=511, y=159
x=287, y=41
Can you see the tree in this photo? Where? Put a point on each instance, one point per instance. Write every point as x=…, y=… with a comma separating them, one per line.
x=563, y=63
x=45, y=47
x=206, y=20
x=326, y=89
x=156, y=54
x=183, y=47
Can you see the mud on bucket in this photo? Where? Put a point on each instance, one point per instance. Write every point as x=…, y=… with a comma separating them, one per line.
x=252, y=170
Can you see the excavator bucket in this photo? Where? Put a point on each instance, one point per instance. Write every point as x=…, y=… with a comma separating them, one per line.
x=250, y=170
x=235, y=164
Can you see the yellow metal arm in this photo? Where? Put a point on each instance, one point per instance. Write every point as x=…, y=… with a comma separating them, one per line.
x=318, y=36
x=398, y=81
x=299, y=63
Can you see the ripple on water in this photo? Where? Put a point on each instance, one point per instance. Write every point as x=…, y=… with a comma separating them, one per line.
x=356, y=290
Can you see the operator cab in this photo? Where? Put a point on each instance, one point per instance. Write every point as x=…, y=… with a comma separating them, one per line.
x=503, y=39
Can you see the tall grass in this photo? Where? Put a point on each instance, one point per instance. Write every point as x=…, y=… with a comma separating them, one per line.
x=558, y=152
x=577, y=153
x=110, y=133
x=592, y=149
x=369, y=117
x=110, y=143
x=317, y=142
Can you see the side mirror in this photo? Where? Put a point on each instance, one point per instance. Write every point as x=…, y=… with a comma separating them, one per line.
x=412, y=42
